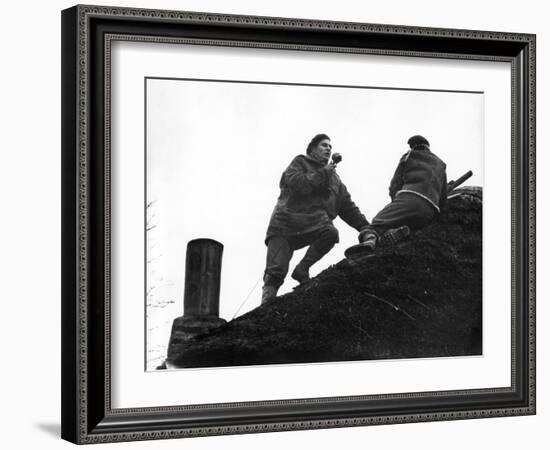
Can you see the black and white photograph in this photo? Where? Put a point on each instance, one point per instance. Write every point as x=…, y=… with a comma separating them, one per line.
x=295, y=223
x=275, y=224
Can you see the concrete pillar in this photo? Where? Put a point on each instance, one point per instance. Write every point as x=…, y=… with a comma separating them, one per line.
x=201, y=298
x=202, y=278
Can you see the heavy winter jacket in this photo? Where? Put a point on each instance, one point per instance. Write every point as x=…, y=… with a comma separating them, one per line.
x=311, y=196
x=422, y=173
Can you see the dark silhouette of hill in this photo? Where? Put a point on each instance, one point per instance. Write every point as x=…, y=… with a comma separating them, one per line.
x=421, y=298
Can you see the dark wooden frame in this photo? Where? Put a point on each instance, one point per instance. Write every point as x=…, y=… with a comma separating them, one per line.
x=87, y=416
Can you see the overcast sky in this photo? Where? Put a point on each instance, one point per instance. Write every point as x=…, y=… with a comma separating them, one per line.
x=216, y=152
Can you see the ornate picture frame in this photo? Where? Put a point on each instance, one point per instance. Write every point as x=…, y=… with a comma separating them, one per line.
x=88, y=411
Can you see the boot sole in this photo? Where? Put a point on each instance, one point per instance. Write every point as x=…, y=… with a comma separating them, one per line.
x=360, y=253
x=358, y=249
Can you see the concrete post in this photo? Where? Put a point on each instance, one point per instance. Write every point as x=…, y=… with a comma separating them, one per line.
x=202, y=278
x=201, y=298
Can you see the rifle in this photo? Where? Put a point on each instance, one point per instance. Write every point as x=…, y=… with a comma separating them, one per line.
x=451, y=185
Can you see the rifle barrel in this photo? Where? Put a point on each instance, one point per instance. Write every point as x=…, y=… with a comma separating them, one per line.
x=454, y=184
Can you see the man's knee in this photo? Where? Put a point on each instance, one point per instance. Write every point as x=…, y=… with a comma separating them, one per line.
x=330, y=235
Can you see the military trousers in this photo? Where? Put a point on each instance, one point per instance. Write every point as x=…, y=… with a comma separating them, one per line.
x=405, y=209
x=281, y=248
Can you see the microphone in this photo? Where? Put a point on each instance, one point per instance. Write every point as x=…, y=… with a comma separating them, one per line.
x=336, y=158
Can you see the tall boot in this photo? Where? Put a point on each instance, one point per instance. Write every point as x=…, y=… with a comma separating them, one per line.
x=394, y=235
x=268, y=292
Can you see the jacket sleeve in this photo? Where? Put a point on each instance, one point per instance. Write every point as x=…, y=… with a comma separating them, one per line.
x=349, y=212
x=396, y=182
x=302, y=181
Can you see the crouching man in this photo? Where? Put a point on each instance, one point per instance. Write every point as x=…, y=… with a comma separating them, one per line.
x=312, y=195
x=418, y=191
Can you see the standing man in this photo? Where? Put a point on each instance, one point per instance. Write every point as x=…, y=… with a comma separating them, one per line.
x=312, y=195
x=418, y=191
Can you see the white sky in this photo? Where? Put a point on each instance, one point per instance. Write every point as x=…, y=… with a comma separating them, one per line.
x=216, y=151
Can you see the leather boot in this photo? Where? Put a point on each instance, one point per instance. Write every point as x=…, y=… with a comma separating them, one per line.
x=301, y=273
x=395, y=235
x=268, y=292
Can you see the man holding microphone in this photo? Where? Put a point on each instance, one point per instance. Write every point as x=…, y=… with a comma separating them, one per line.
x=311, y=196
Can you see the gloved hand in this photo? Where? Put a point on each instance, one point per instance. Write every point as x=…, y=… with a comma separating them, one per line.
x=369, y=238
x=364, y=232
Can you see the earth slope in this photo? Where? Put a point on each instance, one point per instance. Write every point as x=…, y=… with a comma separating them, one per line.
x=421, y=298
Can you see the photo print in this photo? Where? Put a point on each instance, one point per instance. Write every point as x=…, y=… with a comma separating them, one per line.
x=298, y=223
